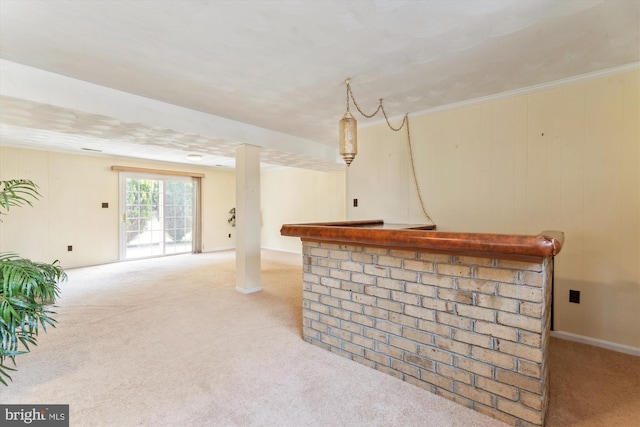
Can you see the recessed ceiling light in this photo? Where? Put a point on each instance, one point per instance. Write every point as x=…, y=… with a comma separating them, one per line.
x=194, y=157
x=91, y=149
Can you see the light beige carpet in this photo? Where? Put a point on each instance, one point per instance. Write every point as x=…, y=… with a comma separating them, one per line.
x=592, y=387
x=169, y=342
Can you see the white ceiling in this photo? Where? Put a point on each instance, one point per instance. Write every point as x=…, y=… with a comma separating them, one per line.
x=162, y=79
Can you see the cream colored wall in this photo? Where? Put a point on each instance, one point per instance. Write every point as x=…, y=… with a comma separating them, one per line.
x=291, y=195
x=73, y=188
x=218, y=197
x=565, y=158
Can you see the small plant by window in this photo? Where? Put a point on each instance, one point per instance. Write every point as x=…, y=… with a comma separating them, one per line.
x=232, y=217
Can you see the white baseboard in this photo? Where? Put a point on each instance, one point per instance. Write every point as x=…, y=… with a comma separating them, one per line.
x=208, y=251
x=249, y=291
x=230, y=248
x=281, y=250
x=627, y=349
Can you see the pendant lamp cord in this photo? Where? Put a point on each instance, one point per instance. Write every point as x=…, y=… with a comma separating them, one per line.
x=405, y=121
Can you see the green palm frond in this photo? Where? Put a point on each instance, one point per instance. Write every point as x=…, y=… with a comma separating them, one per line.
x=27, y=289
x=17, y=192
x=4, y=376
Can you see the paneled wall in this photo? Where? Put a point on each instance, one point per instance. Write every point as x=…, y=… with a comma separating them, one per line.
x=292, y=195
x=566, y=158
x=70, y=211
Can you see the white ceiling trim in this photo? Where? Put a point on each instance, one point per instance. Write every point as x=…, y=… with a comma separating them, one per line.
x=517, y=92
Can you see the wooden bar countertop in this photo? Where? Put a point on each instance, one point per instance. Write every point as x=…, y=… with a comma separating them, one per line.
x=424, y=238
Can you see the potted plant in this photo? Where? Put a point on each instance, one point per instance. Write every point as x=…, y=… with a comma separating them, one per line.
x=27, y=288
x=232, y=217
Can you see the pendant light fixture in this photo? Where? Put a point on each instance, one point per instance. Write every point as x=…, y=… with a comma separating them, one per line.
x=348, y=134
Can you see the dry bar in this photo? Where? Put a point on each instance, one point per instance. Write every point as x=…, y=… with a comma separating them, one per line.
x=463, y=315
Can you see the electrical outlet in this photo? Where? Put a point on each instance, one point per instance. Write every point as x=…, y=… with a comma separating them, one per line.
x=105, y=205
x=229, y=235
x=355, y=203
x=69, y=248
x=574, y=296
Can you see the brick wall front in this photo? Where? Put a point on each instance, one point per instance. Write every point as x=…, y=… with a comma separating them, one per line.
x=473, y=330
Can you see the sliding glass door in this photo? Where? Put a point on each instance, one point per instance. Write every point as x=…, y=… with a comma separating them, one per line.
x=157, y=215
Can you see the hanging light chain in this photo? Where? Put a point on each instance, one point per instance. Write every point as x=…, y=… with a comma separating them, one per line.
x=405, y=121
x=413, y=172
x=380, y=108
x=350, y=94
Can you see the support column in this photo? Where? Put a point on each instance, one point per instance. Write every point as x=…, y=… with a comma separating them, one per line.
x=248, y=219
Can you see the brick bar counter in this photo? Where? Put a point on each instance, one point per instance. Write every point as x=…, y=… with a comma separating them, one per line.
x=463, y=315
